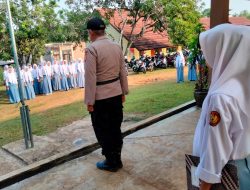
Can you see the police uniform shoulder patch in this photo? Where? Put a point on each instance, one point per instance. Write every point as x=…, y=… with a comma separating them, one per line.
x=214, y=118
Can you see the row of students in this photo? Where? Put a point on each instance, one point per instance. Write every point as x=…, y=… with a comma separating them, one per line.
x=192, y=67
x=44, y=79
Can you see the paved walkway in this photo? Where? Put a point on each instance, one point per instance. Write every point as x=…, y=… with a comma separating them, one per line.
x=153, y=160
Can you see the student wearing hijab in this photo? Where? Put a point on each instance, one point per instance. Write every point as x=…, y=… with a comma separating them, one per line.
x=45, y=79
x=223, y=131
x=72, y=74
x=64, y=75
x=35, y=75
x=179, y=67
x=22, y=81
x=80, y=74
x=40, y=78
x=56, y=76
x=69, y=76
x=49, y=78
x=5, y=73
x=12, y=86
x=192, y=69
x=28, y=83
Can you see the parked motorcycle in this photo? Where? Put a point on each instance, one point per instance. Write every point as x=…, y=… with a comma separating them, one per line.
x=139, y=67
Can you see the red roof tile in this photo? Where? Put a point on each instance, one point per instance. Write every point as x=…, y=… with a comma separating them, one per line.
x=150, y=39
x=232, y=20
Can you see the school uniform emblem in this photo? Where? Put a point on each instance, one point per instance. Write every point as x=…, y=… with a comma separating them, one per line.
x=214, y=118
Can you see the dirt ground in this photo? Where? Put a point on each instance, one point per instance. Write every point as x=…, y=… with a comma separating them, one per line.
x=43, y=103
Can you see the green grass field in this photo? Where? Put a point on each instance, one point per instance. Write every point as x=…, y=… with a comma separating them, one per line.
x=144, y=100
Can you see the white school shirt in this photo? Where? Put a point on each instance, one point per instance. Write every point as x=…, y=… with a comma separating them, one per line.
x=35, y=73
x=80, y=67
x=178, y=61
x=49, y=70
x=56, y=69
x=228, y=140
x=5, y=73
x=72, y=69
x=40, y=72
x=11, y=78
x=64, y=70
x=27, y=77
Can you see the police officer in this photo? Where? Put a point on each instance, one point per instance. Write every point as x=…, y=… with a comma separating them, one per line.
x=223, y=131
x=105, y=89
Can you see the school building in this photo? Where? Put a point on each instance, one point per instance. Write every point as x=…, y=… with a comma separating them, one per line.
x=149, y=43
x=64, y=51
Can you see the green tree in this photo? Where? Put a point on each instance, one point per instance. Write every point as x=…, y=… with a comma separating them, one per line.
x=143, y=11
x=206, y=12
x=244, y=13
x=35, y=22
x=182, y=17
x=5, y=53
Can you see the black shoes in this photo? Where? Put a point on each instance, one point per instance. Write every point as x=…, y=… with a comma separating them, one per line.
x=109, y=166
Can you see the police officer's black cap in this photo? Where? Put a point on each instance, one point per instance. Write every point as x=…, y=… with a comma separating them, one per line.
x=96, y=24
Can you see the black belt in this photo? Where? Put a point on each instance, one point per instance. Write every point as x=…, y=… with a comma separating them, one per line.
x=107, y=82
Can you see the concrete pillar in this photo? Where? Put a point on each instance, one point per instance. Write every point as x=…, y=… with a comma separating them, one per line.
x=219, y=12
x=219, y=15
x=60, y=51
x=72, y=52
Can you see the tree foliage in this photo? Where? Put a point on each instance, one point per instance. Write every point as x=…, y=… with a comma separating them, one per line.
x=34, y=23
x=131, y=12
x=244, y=13
x=206, y=12
x=182, y=17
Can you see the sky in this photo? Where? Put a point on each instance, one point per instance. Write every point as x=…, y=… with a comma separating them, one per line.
x=236, y=5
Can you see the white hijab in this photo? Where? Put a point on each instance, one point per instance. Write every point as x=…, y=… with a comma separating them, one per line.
x=227, y=51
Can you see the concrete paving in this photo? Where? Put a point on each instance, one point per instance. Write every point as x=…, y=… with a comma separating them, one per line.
x=153, y=160
x=79, y=133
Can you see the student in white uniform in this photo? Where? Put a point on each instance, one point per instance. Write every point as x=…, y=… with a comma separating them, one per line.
x=28, y=83
x=40, y=78
x=72, y=74
x=5, y=73
x=22, y=82
x=223, y=131
x=12, y=86
x=80, y=74
x=56, y=76
x=49, y=71
x=179, y=67
x=64, y=75
x=35, y=75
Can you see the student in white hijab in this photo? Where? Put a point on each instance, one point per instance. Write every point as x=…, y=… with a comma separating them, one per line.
x=5, y=73
x=223, y=131
x=72, y=75
x=80, y=74
x=28, y=83
x=49, y=78
x=40, y=78
x=56, y=76
x=64, y=75
x=35, y=75
x=180, y=62
x=12, y=86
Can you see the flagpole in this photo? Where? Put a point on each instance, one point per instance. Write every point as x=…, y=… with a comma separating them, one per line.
x=24, y=109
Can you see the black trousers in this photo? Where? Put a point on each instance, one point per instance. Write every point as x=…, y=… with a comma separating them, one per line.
x=106, y=119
